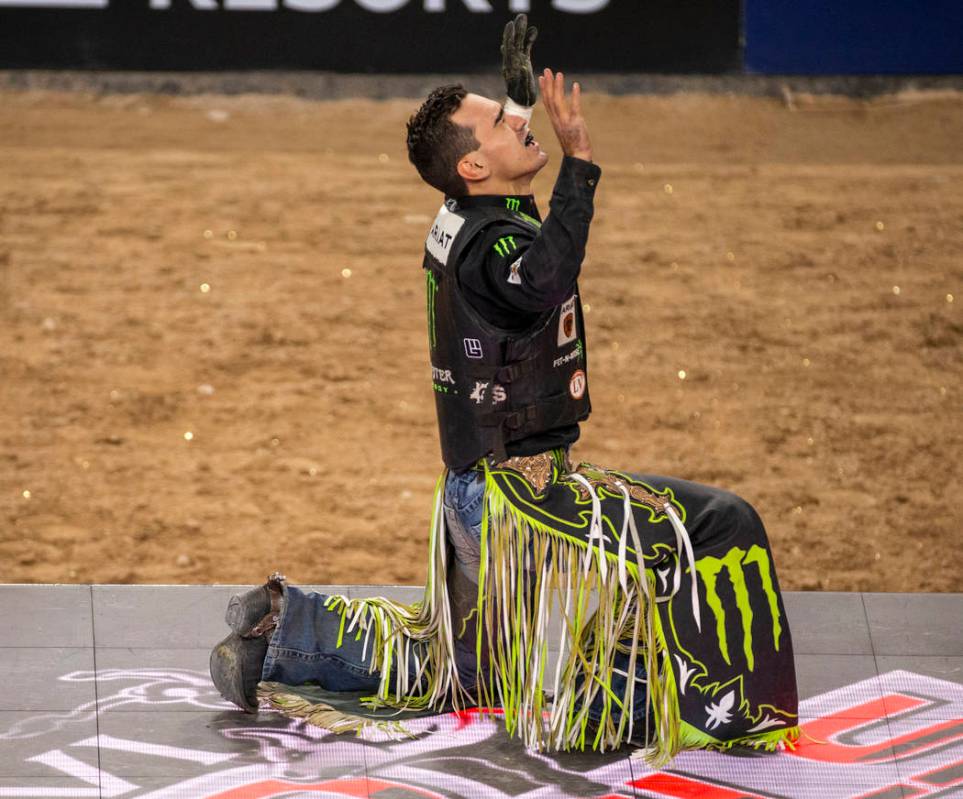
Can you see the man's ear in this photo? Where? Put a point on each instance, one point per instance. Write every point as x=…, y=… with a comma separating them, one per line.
x=473, y=167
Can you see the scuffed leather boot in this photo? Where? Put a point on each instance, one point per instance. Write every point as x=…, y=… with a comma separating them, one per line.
x=237, y=661
x=236, y=665
x=256, y=611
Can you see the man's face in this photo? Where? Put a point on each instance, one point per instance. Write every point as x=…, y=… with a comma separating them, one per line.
x=502, y=138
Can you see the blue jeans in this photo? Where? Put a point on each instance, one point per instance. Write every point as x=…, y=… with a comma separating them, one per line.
x=304, y=645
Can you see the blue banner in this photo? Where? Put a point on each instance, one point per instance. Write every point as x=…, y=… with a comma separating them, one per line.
x=854, y=37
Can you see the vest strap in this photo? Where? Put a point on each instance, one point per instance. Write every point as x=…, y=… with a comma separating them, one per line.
x=549, y=409
x=504, y=374
x=519, y=369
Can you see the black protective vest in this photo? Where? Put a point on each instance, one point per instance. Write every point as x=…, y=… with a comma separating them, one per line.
x=494, y=386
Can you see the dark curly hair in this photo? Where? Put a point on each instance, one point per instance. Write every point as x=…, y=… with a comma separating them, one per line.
x=436, y=144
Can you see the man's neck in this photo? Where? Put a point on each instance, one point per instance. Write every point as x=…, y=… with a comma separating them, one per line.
x=514, y=188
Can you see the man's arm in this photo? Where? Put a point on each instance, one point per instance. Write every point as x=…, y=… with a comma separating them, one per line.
x=531, y=271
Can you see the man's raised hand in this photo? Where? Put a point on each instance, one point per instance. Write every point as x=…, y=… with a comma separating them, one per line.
x=517, y=61
x=566, y=115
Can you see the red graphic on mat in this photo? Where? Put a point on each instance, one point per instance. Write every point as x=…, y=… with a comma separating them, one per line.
x=359, y=787
x=946, y=776
x=679, y=786
x=818, y=743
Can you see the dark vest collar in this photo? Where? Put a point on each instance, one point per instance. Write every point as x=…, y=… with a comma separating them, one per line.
x=524, y=203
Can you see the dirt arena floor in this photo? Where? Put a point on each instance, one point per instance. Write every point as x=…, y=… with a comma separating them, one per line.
x=214, y=357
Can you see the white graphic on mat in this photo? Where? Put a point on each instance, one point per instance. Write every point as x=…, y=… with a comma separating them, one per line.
x=156, y=688
x=846, y=750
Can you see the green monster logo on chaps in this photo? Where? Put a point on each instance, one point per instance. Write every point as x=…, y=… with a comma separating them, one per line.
x=432, y=289
x=734, y=562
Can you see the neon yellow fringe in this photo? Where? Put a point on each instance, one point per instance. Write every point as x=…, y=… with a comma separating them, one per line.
x=526, y=568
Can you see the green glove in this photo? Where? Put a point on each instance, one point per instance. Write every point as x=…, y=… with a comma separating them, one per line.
x=520, y=84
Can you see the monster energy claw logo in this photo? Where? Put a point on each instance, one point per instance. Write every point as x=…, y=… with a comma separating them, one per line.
x=513, y=203
x=505, y=245
x=734, y=562
x=432, y=290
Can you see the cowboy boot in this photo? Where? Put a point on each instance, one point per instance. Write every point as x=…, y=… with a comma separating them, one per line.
x=237, y=661
x=236, y=665
x=255, y=607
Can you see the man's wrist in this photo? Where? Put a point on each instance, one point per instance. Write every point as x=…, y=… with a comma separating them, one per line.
x=582, y=164
x=518, y=110
x=584, y=174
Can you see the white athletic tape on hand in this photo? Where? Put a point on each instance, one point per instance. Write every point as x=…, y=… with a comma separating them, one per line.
x=516, y=110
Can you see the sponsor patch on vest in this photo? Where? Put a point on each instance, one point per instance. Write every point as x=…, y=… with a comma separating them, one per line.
x=566, y=322
x=576, y=386
x=576, y=352
x=442, y=375
x=479, y=393
x=514, y=274
x=473, y=348
x=442, y=234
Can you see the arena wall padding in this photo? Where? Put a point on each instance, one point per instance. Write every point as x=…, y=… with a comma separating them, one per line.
x=854, y=37
x=407, y=36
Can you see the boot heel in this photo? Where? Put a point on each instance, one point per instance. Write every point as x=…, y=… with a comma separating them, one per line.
x=247, y=609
